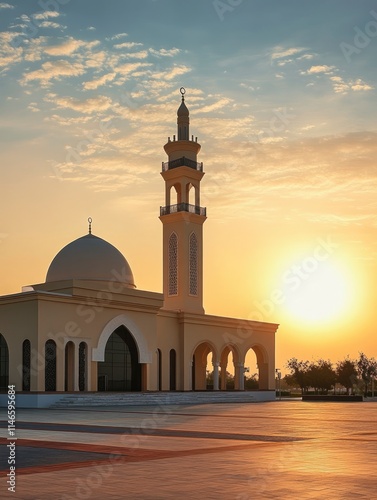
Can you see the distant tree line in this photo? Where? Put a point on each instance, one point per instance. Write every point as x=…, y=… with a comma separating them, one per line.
x=355, y=375
x=251, y=381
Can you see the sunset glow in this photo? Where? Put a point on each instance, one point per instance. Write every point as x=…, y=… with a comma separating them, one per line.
x=282, y=98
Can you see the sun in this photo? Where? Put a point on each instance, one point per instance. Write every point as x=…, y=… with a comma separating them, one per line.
x=320, y=296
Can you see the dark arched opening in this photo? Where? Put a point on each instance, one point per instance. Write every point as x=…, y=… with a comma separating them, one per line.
x=4, y=364
x=121, y=370
x=173, y=370
x=82, y=366
x=159, y=373
x=69, y=366
x=50, y=366
x=26, y=361
x=202, y=376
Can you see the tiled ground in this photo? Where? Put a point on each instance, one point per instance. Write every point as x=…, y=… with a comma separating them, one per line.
x=281, y=450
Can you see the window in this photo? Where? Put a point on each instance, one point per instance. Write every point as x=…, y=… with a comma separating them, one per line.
x=82, y=366
x=26, y=353
x=159, y=373
x=50, y=366
x=193, y=267
x=173, y=370
x=173, y=264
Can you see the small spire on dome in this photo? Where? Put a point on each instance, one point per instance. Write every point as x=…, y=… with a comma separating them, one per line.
x=183, y=92
x=90, y=220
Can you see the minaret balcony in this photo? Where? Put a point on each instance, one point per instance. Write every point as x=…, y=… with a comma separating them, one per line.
x=182, y=162
x=183, y=207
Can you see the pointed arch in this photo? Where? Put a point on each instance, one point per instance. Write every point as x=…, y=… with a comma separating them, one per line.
x=263, y=364
x=199, y=364
x=121, y=370
x=144, y=355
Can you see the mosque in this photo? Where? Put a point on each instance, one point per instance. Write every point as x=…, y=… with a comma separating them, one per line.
x=88, y=328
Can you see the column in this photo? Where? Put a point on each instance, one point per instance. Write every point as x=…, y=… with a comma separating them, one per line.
x=242, y=377
x=223, y=376
x=215, y=376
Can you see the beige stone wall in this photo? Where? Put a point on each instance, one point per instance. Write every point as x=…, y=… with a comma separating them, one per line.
x=40, y=317
x=18, y=322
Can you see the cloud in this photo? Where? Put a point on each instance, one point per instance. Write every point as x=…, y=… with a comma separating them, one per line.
x=280, y=53
x=50, y=24
x=342, y=87
x=360, y=85
x=129, y=68
x=53, y=71
x=305, y=57
x=320, y=69
x=46, y=14
x=221, y=103
x=127, y=45
x=9, y=54
x=165, y=52
x=6, y=6
x=87, y=106
x=94, y=84
x=116, y=37
x=172, y=72
x=142, y=54
x=66, y=48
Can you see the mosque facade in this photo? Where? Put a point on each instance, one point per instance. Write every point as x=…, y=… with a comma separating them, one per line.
x=88, y=328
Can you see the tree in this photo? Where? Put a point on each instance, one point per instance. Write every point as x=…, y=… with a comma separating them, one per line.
x=321, y=376
x=251, y=382
x=367, y=369
x=346, y=373
x=299, y=372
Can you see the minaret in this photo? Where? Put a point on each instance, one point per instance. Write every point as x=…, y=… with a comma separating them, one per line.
x=182, y=220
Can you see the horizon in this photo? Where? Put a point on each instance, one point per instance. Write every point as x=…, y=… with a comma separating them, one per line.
x=282, y=100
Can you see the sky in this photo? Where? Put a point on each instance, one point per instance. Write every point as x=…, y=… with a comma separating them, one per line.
x=282, y=98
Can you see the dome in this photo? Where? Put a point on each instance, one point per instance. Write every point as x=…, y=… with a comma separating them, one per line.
x=90, y=258
x=183, y=110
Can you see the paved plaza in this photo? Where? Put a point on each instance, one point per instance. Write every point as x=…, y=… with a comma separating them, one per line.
x=283, y=450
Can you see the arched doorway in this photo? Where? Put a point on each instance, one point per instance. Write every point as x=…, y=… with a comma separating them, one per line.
x=257, y=353
x=229, y=360
x=121, y=370
x=251, y=371
x=200, y=360
x=4, y=364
